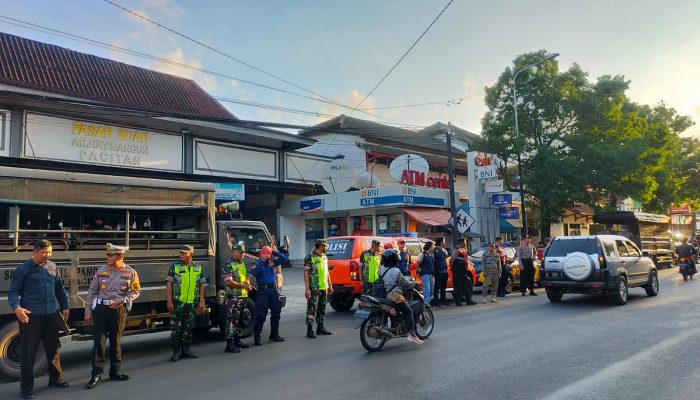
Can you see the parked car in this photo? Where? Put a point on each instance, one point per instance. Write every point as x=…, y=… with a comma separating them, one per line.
x=511, y=266
x=600, y=264
x=344, y=264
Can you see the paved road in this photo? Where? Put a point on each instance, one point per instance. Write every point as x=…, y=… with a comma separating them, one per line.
x=521, y=348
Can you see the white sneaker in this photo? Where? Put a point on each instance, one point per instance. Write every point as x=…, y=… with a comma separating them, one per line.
x=484, y=300
x=414, y=339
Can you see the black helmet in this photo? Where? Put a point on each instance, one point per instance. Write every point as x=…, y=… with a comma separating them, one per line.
x=390, y=258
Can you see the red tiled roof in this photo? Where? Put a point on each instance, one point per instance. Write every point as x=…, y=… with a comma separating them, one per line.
x=40, y=66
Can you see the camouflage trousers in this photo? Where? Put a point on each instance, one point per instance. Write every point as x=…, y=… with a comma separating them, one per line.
x=234, y=306
x=490, y=284
x=316, y=307
x=182, y=322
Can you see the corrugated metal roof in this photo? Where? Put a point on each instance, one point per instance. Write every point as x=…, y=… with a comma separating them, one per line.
x=49, y=68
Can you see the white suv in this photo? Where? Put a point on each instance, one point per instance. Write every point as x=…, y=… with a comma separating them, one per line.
x=601, y=264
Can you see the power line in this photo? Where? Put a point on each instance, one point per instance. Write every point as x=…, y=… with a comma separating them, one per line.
x=400, y=59
x=182, y=35
x=448, y=102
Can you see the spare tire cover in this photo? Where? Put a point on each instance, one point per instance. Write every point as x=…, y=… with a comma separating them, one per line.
x=578, y=266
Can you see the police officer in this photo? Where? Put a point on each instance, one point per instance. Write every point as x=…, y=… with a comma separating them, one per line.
x=369, y=265
x=526, y=254
x=237, y=287
x=405, y=259
x=491, y=265
x=440, y=291
x=35, y=287
x=268, y=271
x=503, y=280
x=184, y=286
x=461, y=282
x=317, y=282
x=113, y=289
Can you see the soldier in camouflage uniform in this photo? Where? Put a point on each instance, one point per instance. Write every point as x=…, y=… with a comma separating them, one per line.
x=237, y=287
x=318, y=286
x=491, y=265
x=185, y=285
x=370, y=261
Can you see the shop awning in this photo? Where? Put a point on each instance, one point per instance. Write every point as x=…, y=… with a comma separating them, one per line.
x=429, y=216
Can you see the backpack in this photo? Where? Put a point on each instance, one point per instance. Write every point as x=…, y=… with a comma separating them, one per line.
x=378, y=288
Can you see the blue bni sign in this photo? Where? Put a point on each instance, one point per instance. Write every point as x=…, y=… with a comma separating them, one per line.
x=509, y=213
x=311, y=206
x=504, y=199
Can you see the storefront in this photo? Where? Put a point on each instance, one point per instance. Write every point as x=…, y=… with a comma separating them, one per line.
x=383, y=211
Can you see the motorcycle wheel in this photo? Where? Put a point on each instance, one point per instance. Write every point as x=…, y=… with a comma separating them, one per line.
x=685, y=276
x=368, y=339
x=425, y=324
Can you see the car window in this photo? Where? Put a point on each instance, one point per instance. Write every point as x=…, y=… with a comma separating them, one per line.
x=609, y=249
x=622, y=248
x=478, y=253
x=634, y=252
x=510, y=252
x=414, y=248
x=340, y=248
x=253, y=238
x=564, y=247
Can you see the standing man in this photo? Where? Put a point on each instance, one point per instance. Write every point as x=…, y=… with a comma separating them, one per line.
x=237, y=287
x=503, y=281
x=404, y=259
x=112, y=291
x=426, y=271
x=526, y=253
x=34, y=290
x=440, y=255
x=184, y=285
x=369, y=265
x=317, y=282
x=491, y=265
x=268, y=273
x=460, y=281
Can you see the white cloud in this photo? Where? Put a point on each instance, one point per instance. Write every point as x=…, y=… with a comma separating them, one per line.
x=206, y=81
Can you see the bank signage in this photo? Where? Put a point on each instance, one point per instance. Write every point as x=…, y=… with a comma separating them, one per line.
x=82, y=141
x=509, y=213
x=230, y=191
x=413, y=170
x=501, y=199
x=311, y=206
x=402, y=196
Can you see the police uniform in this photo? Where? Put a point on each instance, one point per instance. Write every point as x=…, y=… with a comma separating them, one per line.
x=268, y=296
x=236, y=298
x=316, y=267
x=526, y=254
x=187, y=283
x=369, y=261
x=110, y=286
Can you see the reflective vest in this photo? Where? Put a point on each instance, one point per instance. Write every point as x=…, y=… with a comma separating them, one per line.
x=319, y=270
x=187, y=278
x=240, y=275
x=371, y=263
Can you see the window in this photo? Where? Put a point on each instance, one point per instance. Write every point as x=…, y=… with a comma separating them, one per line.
x=609, y=249
x=253, y=238
x=564, y=247
x=622, y=248
x=340, y=248
x=634, y=252
x=572, y=230
x=389, y=223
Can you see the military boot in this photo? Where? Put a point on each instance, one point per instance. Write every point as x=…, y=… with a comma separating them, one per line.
x=231, y=347
x=177, y=353
x=310, y=332
x=237, y=342
x=275, y=335
x=187, y=353
x=321, y=330
x=258, y=340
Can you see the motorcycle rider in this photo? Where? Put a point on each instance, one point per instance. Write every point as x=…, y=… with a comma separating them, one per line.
x=395, y=282
x=686, y=250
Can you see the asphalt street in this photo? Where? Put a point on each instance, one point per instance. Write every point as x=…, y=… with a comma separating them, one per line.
x=520, y=348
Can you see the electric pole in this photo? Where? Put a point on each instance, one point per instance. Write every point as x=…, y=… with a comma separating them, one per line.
x=450, y=175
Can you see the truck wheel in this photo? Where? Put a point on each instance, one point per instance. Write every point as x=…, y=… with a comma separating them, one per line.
x=342, y=303
x=10, y=353
x=247, y=319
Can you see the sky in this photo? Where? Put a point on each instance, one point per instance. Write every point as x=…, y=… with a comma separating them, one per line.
x=341, y=49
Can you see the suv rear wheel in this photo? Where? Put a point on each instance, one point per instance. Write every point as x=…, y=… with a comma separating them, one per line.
x=621, y=291
x=652, y=287
x=555, y=296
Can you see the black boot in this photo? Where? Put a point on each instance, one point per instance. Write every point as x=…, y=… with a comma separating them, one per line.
x=310, y=332
x=187, y=353
x=177, y=353
x=321, y=330
x=237, y=342
x=231, y=347
x=275, y=335
x=258, y=340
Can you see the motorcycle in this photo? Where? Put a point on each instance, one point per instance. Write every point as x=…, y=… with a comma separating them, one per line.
x=379, y=320
x=686, y=268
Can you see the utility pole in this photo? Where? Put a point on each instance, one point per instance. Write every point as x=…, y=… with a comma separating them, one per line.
x=450, y=175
